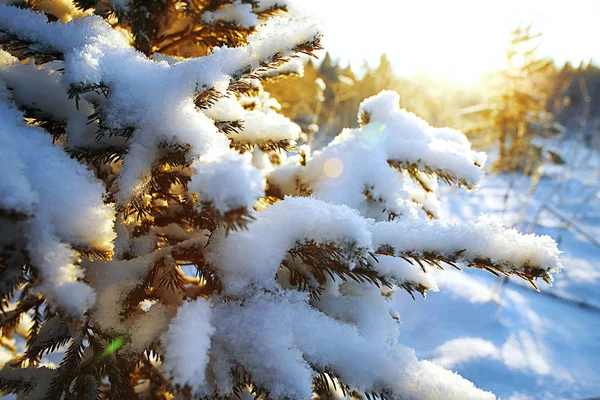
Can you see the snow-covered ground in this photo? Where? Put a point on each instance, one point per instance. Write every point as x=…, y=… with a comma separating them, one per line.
x=522, y=344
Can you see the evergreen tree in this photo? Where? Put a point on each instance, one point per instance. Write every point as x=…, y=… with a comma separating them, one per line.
x=380, y=78
x=157, y=220
x=575, y=100
x=517, y=112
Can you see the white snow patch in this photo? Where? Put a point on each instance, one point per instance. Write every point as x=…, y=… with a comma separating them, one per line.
x=187, y=344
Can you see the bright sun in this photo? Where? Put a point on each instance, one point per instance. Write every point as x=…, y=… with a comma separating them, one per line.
x=456, y=40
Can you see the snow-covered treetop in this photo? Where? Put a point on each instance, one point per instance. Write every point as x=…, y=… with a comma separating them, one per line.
x=124, y=170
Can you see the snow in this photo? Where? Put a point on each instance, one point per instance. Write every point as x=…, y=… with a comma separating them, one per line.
x=40, y=89
x=248, y=261
x=250, y=258
x=38, y=378
x=147, y=327
x=362, y=307
x=62, y=202
x=292, y=67
x=522, y=345
x=414, y=141
x=278, y=336
x=269, y=37
x=401, y=271
x=268, y=4
x=259, y=125
x=187, y=344
x=452, y=353
x=229, y=182
x=363, y=165
x=507, y=354
x=487, y=238
x=113, y=280
x=237, y=13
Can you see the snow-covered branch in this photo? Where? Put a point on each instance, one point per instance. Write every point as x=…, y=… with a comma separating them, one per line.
x=485, y=244
x=95, y=54
x=360, y=167
x=55, y=205
x=250, y=259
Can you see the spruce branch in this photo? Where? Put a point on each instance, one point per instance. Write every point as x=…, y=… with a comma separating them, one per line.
x=327, y=379
x=165, y=273
x=417, y=168
x=36, y=117
x=21, y=380
x=102, y=155
x=68, y=369
x=243, y=382
x=329, y=261
x=272, y=11
x=53, y=334
x=76, y=90
x=144, y=19
x=264, y=145
x=12, y=272
x=9, y=319
x=84, y=4
x=526, y=272
x=206, y=97
x=24, y=49
x=230, y=127
x=233, y=220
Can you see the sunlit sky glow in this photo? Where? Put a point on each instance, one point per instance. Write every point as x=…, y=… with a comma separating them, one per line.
x=457, y=40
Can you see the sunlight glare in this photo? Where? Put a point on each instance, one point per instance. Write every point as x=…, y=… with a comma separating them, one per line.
x=457, y=41
x=333, y=167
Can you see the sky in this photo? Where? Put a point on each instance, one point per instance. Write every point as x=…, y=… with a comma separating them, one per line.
x=456, y=40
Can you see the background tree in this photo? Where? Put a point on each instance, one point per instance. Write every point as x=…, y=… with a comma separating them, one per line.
x=325, y=96
x=575, y=101
x=158, y=220
x=517, y=111
x=328, y=95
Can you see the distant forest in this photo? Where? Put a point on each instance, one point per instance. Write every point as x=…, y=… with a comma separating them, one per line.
x=328, y=96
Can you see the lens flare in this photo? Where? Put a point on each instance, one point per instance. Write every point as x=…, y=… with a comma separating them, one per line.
x=333, y=167
x=113, y=346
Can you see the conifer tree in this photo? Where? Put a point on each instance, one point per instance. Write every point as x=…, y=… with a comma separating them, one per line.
x=575, y=99
x=517, y=112
x=160, y=226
